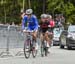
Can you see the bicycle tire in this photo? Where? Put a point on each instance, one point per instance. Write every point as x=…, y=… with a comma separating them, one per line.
x=27, y=44
x=34, y=51
x=46, y=51
x=42, y=49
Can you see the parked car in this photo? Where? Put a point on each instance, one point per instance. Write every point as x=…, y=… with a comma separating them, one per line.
x=57, y=32
x=67, y=37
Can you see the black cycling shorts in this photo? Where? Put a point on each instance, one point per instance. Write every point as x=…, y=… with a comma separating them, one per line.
x=43, y=30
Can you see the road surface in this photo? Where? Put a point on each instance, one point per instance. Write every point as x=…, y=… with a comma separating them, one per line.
x=56, y=56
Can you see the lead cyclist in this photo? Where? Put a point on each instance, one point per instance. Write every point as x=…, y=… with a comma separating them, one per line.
x=30, y=21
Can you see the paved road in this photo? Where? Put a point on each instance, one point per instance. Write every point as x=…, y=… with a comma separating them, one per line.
x=57, y=56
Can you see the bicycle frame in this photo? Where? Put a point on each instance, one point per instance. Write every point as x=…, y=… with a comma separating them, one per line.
x=29, y=36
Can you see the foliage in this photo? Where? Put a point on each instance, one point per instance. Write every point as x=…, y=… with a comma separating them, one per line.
x=12, y=9
x=66, y=8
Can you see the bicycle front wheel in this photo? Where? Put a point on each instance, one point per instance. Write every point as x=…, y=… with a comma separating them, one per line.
x=42, y=49
x=46, y=51
x=27, y=48
x=34, y=51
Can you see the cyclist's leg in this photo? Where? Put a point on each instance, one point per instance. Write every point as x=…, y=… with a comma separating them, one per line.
x=34, y=34
x=42, y=31
x=47, y=39
x=51, y=36
x=41, y=36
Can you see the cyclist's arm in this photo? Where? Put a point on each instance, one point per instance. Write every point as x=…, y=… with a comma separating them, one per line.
x=23, y=14
x=40, y=28
x=23, y=22
x=36, y=23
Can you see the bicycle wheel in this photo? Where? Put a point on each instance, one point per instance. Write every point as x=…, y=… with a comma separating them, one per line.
x=27, y=48
x=45, y=48
x=46, y=51
x=34, y=51
x=42, y=49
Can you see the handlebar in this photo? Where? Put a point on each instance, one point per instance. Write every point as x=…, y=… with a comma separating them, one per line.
x=48, y=26
x=28, y=31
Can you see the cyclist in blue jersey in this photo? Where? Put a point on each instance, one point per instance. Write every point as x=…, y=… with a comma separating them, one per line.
x=30, y=22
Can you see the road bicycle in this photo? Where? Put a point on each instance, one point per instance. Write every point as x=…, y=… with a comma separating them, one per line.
x=44, y=48
x=29, y=45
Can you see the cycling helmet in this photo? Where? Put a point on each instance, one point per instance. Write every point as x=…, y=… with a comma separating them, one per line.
x=43, y=15
x=29, y=11
x=49, y=16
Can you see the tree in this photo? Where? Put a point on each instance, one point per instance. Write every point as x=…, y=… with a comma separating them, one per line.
x=13, y=9
x=61, y=6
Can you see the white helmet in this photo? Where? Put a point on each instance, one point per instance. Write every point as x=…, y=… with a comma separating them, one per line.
x=43, y=15
x=49, y=16
x=29, y=11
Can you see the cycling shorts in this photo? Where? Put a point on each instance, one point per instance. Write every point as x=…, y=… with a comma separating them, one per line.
x=44, y=30
x=32, y=29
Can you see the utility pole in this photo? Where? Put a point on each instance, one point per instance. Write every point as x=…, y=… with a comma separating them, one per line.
x=23, y=4
x=43, y=6
x=29, y=3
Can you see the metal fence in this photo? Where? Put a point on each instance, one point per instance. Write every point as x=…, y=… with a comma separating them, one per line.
x=11, y=37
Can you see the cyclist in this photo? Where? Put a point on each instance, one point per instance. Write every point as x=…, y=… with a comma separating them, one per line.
x=31, y=22
x=52, y=25
x=51, y=22
x=60, y=21
x=44, y=28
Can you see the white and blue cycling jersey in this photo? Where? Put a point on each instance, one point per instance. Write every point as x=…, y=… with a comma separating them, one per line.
x=32, y=22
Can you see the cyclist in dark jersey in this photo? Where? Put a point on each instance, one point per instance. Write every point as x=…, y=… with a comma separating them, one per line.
x=44, y=26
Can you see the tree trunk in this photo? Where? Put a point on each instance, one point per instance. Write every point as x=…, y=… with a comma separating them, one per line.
x=29, y=3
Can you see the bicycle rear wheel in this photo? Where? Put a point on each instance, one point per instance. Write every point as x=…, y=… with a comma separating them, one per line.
x=27, y=48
